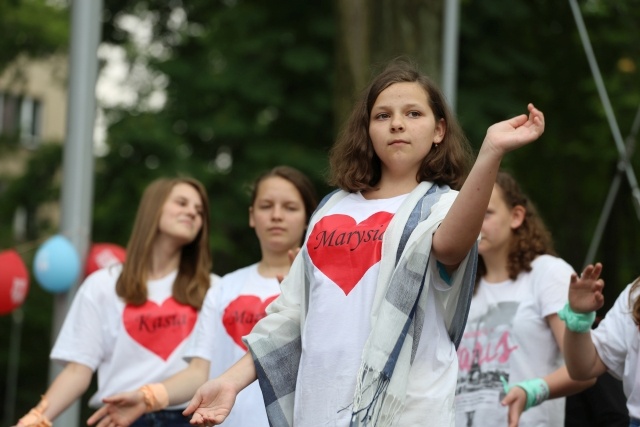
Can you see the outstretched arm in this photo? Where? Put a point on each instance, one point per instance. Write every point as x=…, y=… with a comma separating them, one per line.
x=123, y=409
x=585, y=296
x=213, y=401
x=461, y=227
x=68, y=386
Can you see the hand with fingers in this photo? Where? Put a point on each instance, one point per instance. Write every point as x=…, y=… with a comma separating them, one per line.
x=516, y=132
x=120, y=410
x=212, y=403
x=585, y=291
x=516, y=400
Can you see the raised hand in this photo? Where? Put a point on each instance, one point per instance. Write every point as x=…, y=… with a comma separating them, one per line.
x=121, y=409
x=516, y=132
x=585, y=292
x=212, y=403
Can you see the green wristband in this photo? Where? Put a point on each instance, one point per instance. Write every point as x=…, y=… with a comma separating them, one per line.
x=536, y=390
x=576, y=322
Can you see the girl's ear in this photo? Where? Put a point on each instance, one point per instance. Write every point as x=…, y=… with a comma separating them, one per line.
x=517, y=216
x=439, y=131
x=252, y=223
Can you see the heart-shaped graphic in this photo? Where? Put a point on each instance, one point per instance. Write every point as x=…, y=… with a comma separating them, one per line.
x=159, y=328
x=242, y=314
x=345, y=250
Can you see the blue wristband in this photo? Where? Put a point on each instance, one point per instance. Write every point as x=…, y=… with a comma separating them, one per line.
x=536, y=389
x=576, y=322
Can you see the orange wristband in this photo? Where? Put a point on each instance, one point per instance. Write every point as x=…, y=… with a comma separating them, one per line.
x=35, y=417
x=155, y=396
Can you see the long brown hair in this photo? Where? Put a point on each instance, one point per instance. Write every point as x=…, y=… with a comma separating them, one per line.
x=192, y=281
x=529, y=240
x=354, y=165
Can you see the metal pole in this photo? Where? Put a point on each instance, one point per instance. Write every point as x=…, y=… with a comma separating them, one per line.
x=604, y=98
x=450, y=51
x=17, y=319
x=77, y=179
x=613, y=191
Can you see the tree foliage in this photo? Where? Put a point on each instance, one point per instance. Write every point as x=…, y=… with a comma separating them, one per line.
x=31, y=27
x=248, y=88
x=536, y=55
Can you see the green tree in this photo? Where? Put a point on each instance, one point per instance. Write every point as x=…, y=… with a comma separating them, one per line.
x=535, y=55
x=372, y=32
x=34, y=28
x=248, y=88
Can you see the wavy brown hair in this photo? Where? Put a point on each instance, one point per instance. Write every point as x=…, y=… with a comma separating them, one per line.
x=635, y=305
x=529, y=240
x=354, y=165
x=192, y=281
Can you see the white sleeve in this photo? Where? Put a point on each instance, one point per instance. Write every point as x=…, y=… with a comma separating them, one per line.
x=202, y=341
x=611, y=337
x=81, y=338
x=552, y=284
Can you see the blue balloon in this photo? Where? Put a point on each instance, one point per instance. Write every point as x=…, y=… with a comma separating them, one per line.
x=56, y=265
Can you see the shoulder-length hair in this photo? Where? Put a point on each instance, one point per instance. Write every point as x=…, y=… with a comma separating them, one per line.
x=354, y=165
x=529, y=240
x=192, y=281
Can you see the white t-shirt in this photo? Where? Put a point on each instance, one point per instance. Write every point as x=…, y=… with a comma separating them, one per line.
x=345, y=248
x=129, y=346
x=617, y=341
x=229, y=312
x=507, y=335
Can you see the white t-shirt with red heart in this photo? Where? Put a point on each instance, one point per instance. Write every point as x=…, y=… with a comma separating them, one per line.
x=229, y=312
x=129, y=346
x=345, y=247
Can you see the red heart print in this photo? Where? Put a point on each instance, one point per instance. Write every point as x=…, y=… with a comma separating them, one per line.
x=159, y=328
x=345, y=250
x=242, y=314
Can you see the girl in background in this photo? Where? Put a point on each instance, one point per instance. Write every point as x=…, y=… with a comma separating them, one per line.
x=613, y=345
x=131, y=322
x=513, y=332
x=282, y=200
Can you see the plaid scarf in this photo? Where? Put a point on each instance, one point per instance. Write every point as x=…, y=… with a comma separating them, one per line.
x=397, y=314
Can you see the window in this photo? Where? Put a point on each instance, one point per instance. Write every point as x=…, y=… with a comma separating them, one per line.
x=21, y=116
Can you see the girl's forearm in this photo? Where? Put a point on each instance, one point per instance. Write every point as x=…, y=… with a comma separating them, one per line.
x=581, y=357
x=242, y=373
x=68, y=386
x=461, y=227
x=560, y=384
x=182, y=386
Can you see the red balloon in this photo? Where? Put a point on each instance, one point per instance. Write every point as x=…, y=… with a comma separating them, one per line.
x=14, y=281
x=103, y=255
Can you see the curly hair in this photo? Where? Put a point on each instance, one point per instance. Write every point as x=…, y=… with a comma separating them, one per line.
x=529, y=240
x=635, y=305
x=354, y=165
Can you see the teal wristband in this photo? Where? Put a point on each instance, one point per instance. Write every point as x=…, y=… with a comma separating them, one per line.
x=536, y=389
x=576, y=322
